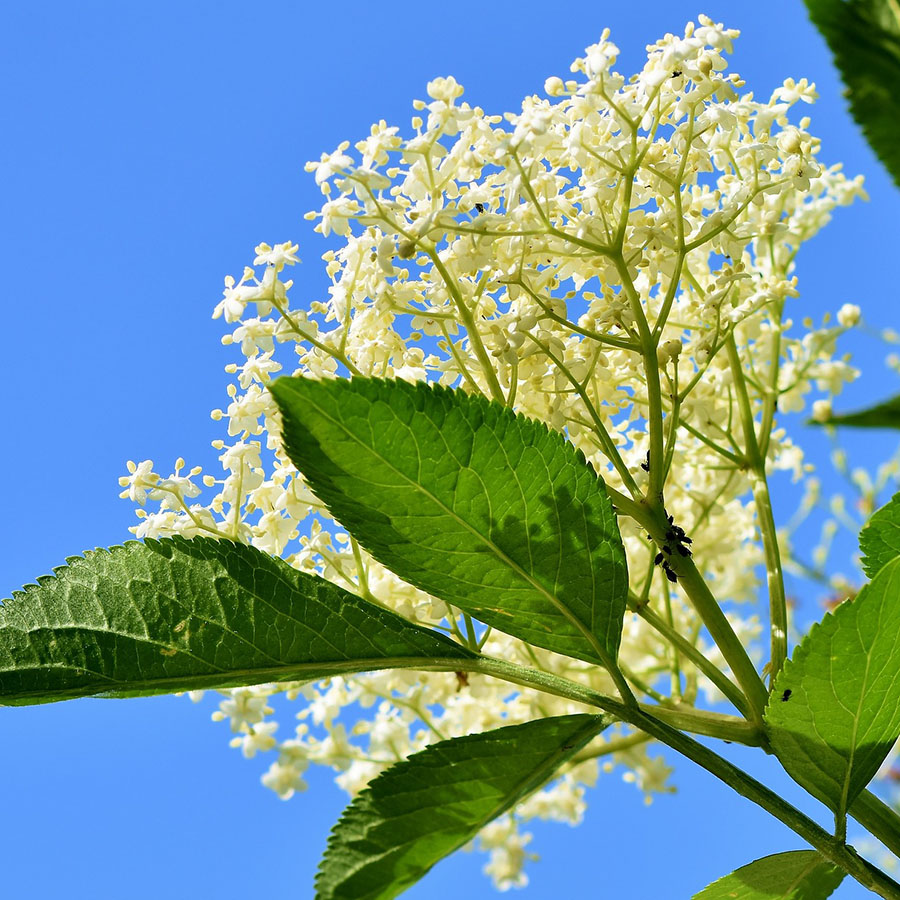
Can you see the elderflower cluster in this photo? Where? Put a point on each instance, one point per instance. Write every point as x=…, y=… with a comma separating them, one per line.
x=533, y=257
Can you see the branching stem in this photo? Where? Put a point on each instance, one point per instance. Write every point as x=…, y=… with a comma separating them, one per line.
x=765, y=517
x=650, y=721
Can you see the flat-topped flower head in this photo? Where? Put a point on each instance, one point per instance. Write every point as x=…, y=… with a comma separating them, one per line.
x=614, y=259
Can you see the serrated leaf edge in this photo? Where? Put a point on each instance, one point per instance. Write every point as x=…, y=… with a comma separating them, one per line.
x=593, y=727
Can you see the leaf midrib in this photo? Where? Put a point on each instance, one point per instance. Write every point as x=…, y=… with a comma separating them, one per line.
x=845, y=787
x=810, y=867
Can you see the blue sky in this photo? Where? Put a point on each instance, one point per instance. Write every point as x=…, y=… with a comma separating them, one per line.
x=147, y=149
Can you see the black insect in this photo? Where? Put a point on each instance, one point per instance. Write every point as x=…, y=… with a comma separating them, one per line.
x=786, y=695
x=676, y=73
x=479, y=207
x=675, y=535
x=676, y=542
x=646, y=464
x=660, y=559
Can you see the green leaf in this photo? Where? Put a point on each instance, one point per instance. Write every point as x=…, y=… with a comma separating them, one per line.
x=179, y=615
x=492, y=512
x=882, y=415
x=422, y=809
x=864, y=37
x=797, y=875
x=879, y=540
x=834, y=712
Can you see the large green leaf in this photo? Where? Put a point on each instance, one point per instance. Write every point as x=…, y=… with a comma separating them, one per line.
x=797, y=875
x=420, y=810
x=882, y=415
x=864, y=36
x=879, y=540
x=834, y=712
x=177, y=615
x=490, y=511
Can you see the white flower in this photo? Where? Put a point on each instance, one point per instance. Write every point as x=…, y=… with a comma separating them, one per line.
x=235, y=298
x=336, y=750
x=821, y=410
x=245, y=707
x=554, y=86
x=140, y=479
x=848, y=315
x=258, y=368
x=494, y=253
x=446, y=89
x=278, y=256
x=375, y=147
x=284, y=779
x=272, y=532
x=330, y=163
x=507, y=853
x=599, y=57
x=792, y=91
x=336, y=215
x=258, y=738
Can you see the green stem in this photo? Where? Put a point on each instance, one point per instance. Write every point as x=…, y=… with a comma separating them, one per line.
x=332, y=352
x=484, y=638
x=606, y=443
x=651, y=722
x=192, y=516
x=651, y=372
x=702, y=599
x=675, y=660
x=626, y=506
x=469, y=321
x=472, y=639
x=716, y=448
x=697, y=721
x=643, y=686
x=774, y=576
x=765, y=517
x=361, y=573
x=830, y=847
x=608, y=339
x=616, y=745
x=413, y=707
x=771, y=397
x=463, y=369
x=718, y=678
x=879, y=819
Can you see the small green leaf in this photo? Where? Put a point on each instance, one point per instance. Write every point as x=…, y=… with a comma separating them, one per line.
x=179, y=615
x=834, y=712
x=422, y=809
x=882, y=415
x=879, y=540
x=864, y=36
x=492, y=512
x=797, y=875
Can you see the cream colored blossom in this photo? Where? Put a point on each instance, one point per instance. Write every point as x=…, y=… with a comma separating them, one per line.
x=848, y=315
x=520, y=256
